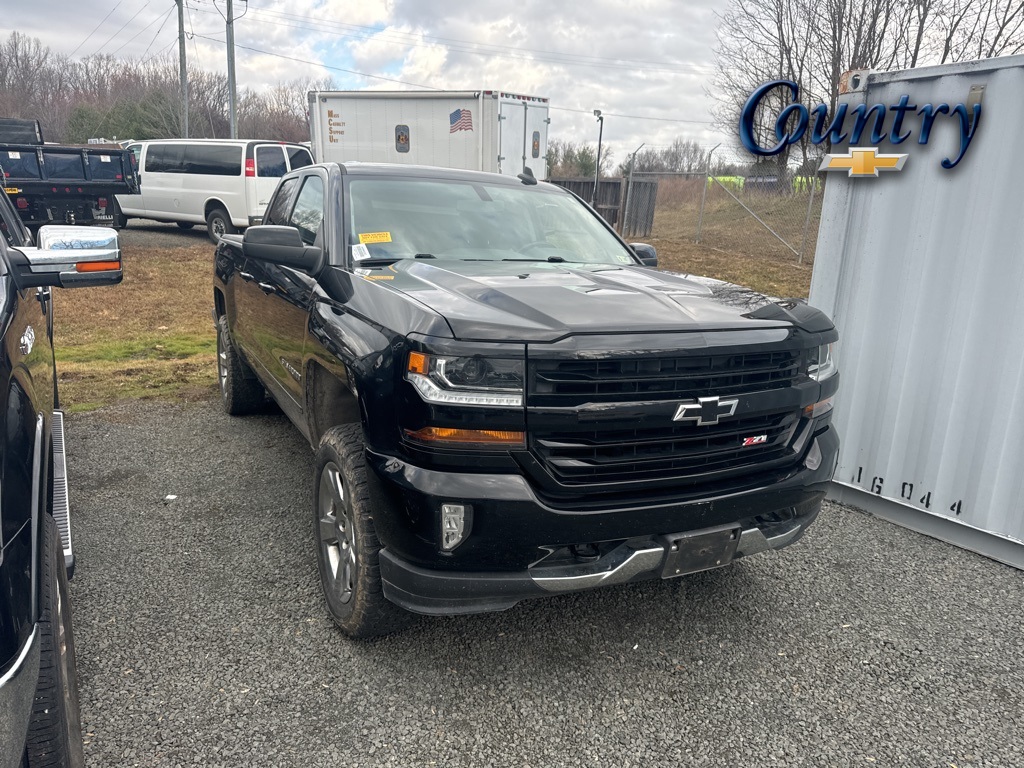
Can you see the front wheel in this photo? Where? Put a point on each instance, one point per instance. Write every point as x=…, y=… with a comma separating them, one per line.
x=347, y=546
x=218, y=223
x=55, y=734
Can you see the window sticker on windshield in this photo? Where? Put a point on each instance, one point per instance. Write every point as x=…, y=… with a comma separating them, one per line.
x=375, y=237
x=104, y=158
x=360, y=252
x=14, y=155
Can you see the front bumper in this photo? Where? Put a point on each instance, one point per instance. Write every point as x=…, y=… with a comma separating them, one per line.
x=445, y=593
x=518, y=545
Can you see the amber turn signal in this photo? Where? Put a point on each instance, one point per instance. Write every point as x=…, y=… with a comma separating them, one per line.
x=417, y=363
x=493, y=437
x=97, y=266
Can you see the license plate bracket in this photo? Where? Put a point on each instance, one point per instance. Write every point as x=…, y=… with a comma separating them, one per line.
x=699, y=550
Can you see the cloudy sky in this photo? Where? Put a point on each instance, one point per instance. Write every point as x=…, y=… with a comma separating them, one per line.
x=636, y=60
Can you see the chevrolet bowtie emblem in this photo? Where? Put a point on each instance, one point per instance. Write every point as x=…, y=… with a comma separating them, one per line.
x=706, y=411
x=862, y=162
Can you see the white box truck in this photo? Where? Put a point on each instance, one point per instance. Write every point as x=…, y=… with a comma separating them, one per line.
x=491, y=131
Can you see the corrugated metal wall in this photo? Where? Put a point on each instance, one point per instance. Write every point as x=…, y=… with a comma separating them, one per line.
x=923, y=273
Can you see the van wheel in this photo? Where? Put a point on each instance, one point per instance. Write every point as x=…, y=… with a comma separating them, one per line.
x=185, y=225
x=348, y=551
x=55, y=734
x=218, y=223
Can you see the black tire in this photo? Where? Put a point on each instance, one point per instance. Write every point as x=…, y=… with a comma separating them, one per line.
x=120, y=220
x=186, y=225
x=240, y=390
x=55, y=734
x=219, y=223
x=346, y=542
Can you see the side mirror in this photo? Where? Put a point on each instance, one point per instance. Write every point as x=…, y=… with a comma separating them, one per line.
x=280, y=245
x=68, y=257
x=646, y=253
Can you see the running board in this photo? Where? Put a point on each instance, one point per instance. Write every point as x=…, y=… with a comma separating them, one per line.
x=61, y=508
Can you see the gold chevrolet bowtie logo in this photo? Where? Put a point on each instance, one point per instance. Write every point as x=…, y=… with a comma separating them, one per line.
x=862, y=162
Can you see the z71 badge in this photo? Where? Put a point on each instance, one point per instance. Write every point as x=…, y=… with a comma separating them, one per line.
x=756, y=440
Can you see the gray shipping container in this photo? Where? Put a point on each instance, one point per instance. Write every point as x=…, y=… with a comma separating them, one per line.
x=923, y=273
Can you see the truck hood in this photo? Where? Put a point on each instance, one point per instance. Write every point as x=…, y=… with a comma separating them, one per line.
x=542, y=301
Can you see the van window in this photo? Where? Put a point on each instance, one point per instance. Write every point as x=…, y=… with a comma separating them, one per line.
x=309, y=209
x=270, y=162
x=213, y=160
x=299, y=157
x=277, y=211
x=165, y=158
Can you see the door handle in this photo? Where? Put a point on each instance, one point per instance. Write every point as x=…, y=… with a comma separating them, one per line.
x=245, y=276
x=267, y=287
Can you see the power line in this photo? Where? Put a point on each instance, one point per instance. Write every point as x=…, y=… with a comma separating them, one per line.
x=325, y=66
x=636, y=117
x=133, y=37
x=122, y=27
x=148, y=47
x=480, y=49
x=94, y=29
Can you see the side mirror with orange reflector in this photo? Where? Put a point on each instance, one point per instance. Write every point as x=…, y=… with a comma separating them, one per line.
x=68, y=257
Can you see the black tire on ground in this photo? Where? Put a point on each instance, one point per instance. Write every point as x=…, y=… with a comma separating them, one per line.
x=346, y=541
x=185, y=225
x=55, y=734
x=120, y=220
x=219, y=223
x=240, y=390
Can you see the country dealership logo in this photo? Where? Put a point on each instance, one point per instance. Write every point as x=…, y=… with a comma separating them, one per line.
x=869, y=122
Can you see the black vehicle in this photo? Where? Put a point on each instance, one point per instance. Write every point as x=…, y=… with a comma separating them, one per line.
x=52, y=184
x=505, y=401
x=39, y=723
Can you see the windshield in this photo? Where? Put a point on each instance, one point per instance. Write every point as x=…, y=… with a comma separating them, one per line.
x=427, y=218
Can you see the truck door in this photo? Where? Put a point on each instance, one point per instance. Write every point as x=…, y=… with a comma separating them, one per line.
x=512, y=137
x=536, y=138
x=280, y=305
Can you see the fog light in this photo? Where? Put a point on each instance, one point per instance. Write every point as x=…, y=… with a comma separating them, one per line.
x=813, y=460
x=453, y=525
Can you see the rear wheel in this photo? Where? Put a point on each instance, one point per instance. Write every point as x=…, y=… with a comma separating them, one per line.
x=347, y=546
x=218, y=223
x=55, y=734
x=240, y=390
x=185, y=225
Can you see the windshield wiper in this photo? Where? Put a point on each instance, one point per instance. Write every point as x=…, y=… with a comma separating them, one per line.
x=553, y=259
x=378, y=262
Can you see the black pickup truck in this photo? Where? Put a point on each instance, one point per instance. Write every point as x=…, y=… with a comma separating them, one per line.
x=53, y=184
x=505, y=400
x=39, y=722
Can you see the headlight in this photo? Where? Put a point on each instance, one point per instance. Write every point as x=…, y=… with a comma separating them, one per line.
x=466, y=380
x=822, y=364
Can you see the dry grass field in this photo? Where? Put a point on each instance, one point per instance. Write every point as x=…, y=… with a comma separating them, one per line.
x=153, y=336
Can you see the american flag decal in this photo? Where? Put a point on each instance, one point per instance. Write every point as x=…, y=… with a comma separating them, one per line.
x=460, y=120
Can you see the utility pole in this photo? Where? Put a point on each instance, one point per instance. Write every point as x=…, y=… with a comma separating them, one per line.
x=230, y=19
x=597, y=171
x=183, y=70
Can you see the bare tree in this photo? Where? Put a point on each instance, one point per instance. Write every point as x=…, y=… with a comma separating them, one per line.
x=812, y=42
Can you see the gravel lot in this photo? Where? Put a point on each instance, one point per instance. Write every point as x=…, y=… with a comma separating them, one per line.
x=143, y=233
x=202, y=639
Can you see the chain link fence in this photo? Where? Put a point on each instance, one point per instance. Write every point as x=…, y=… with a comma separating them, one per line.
x=746, y=215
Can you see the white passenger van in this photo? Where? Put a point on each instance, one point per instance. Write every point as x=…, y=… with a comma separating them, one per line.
x=222, y=183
